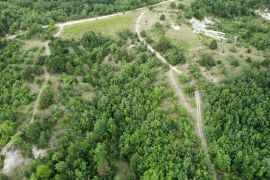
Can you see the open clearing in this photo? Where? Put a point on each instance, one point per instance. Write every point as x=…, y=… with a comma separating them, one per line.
x=110, y=26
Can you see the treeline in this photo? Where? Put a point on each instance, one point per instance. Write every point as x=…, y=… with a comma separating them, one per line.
x=237, y=122
x=123, y=122
x=30, y=14
x=227, y=8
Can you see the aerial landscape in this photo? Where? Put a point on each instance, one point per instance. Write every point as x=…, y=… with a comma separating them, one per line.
x=135, y=89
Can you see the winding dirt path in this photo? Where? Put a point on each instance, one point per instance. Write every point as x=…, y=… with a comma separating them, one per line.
x=35, y=108
x=196, y=113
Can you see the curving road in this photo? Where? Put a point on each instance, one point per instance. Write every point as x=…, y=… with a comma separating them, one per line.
x=61, y=26
x=196, y=114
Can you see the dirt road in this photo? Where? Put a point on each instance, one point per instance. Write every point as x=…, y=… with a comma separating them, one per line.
x=47, y=77
x=180, y=94
x=61, y=26
x=138, y=30
x=194, y=112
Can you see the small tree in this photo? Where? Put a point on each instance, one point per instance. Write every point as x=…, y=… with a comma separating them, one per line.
x=213, y=45
x=43, y=172
x=46, y=98
x=162, y=17
x=207, y=60
x=173, y=5
x=234, y=62
x=163, y=44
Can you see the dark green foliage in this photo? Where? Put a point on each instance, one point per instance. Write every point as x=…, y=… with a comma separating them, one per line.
x=46, y=98
x=213, y=45
x=162, y=17
x=163, y=44
x=237, y=123
x=266, y=62
x=227, y=8
x=207, y=60
x=2, y=158
x=173, y=5
x=234, y=62
x=175, y=56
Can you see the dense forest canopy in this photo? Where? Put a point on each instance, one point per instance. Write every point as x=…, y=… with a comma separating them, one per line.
x=237, y=121
x=228, y=8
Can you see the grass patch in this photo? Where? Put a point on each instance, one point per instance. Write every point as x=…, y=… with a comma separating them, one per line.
x=110, y=26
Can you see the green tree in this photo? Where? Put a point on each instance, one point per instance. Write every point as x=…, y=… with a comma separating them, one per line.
x=213, y=45
x=43, y=171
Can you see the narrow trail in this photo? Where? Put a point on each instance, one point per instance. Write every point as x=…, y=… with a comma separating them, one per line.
x=196, y=113
x=35, y=108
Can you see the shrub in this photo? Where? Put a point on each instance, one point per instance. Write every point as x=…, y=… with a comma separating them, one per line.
x=181, y=6
x=207, y=60
x=149, y=40
x=213, y=45
x=143, y=33
x=266, y=62
x=248, y=60
x=173, y=5
x=2, y=158
x=163, y=44
x=162, y=17
x=175, y=57
x=46, y=98
x=233, y=49
x=234, y=62
x=184, y=79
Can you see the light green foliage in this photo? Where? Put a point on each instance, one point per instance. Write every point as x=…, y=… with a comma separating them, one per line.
x=43, y=172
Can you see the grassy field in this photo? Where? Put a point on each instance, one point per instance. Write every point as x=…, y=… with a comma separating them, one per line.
x=110, y=26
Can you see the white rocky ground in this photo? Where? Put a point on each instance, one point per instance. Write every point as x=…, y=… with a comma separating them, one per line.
x=175, y=27
x=13, y=160
x=201, y=27
x=264, y=13
x=38, y=153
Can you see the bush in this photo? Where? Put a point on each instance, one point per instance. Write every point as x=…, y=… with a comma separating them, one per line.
x=46, y=98
x=207, y=60
x=248, y=60
x=181, y=6
x=162, y=17
x=233, y=49
x=163, y=44
x=189, y=89
x=234, y=62
x=184, y=79
x=175, y=56
x=266, y=62
x=213, y=45
x=149, y=40
x=173, y=5
x=143, y=33
x=2, y=158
